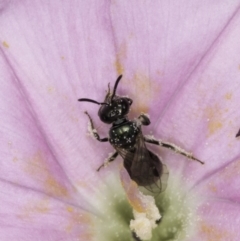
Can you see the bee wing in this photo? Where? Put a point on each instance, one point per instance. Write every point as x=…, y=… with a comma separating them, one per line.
x=127, y=157
x=147, y=169
x=144, y=167
x=161, y=184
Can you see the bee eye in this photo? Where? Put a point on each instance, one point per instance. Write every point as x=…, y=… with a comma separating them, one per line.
x=129, y=101
x=112, y=113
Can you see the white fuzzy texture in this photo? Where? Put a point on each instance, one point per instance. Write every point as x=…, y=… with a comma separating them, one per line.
x=138, y=122
x=142, y=227
x=177, y=148
x=143, y=223
x=106, y=161
x=150, y=137
x=91, y=131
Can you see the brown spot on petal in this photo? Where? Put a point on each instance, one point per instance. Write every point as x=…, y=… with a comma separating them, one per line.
x=119, y=67
x=228, y=96
x=214, y=126
x=86, y=236
x=121, y=55
x=69, y=209
x=212, y=187
x=77, y=219
x=42, y=206
x=53, y=186
x=213, y=233
x=214, y=118
x=50, y=89
x=5, y=44
x=15, y=159
x=35, y=207
x=145, y=90
x=40, y=168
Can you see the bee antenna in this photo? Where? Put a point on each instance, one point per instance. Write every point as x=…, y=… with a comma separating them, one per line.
x=115, y=87
x=93, y=101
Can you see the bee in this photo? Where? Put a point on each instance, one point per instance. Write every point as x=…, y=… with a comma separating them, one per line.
x=143, y=166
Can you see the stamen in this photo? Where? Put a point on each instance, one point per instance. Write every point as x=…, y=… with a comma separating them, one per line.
x=145, y=212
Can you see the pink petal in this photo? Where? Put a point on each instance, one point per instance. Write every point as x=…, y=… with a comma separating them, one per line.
x=177, y=58
x=41, y=74
x=28, y=214
x=206, y=118
x=223, y=183
x=220, y=222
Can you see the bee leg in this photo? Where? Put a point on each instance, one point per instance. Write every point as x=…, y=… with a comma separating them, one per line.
x=144, y=119
x=111, y=158
x=172, y=147
x=93, y=131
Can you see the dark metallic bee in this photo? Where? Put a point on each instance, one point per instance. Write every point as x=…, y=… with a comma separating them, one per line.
x=143, y=166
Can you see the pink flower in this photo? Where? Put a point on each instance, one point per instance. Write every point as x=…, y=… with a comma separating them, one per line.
x=180, y=63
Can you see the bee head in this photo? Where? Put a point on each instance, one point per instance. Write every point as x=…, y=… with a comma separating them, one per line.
x=114, y=107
